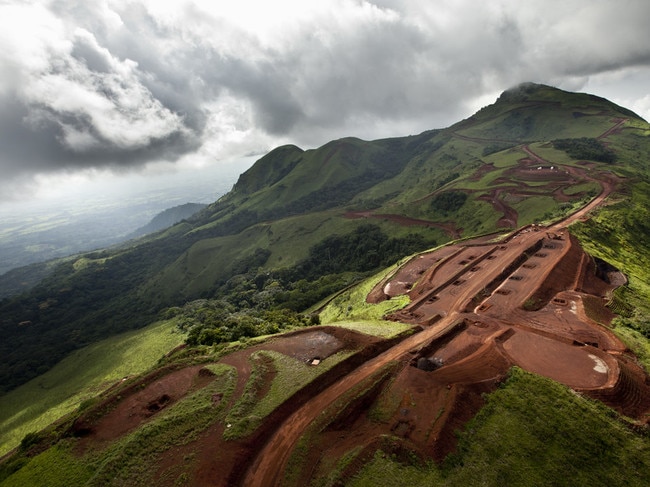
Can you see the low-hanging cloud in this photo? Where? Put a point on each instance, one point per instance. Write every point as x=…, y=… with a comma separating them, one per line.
x=125, y=82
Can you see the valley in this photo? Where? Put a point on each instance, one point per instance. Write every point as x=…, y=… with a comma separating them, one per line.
x=97, y=215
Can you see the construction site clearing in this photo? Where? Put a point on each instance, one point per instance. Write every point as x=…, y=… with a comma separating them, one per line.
x=532, y=299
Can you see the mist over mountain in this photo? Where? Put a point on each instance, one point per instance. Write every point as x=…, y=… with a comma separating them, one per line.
x=167, y=218
x=93, y=215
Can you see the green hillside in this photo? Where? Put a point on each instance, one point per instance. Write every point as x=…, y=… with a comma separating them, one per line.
x=291, y=199
x=300, y=240
x=80, y=377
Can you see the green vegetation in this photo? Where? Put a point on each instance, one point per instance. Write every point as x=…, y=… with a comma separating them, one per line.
x=532, y=431
x=257, y=302
x=56, y=467
x=292, y=241
x=351, y=304
x=529, y=209
x=381, y=328
x=620, y=234
x=339, y=411
x=497, y=147
x=449, y=201
x=50, y=330
x=80, y=377
x=128, y=461
x=366, y=248
x=586, y=148
x=289, y=376
x=208, y=322
x=590, y=188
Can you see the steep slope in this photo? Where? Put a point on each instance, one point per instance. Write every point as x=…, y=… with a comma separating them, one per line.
x=300, y=225
x=474, y=177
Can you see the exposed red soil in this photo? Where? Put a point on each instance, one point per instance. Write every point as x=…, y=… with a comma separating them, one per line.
x=516, y=184
x=510, y=215
x=482, y=171
x=487, y=287
x=479, y=307
x=619, y=122
x=128, y=408
x=210, y=453
x=522, y=181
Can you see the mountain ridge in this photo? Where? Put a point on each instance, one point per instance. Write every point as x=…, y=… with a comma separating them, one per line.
x=304, y=226
x=398, y=176
x=167, y=218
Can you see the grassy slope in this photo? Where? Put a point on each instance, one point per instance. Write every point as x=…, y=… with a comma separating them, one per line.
x=195, y=272
x=440, y=157
x=493, y=448
x=290, y=375
x=81, y=376
x=127, y=462
x=532, y=432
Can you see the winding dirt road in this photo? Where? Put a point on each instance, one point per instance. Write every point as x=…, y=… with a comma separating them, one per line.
x=443, y=307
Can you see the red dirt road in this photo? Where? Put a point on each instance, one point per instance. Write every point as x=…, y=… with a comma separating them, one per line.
x=531, y=298
x=471, y=300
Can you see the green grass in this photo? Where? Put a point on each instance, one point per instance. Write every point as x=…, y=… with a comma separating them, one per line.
x=81, y=376
x=589, y=187
x=486, y=182
x=351, y=305
x=380, y=328
x=336, y=467
x=531, y=432
x=297, y=461
x=506, y=158
x=128, y=461
x=620, y=234
x=478, y=218
x=636, y=342
x=534, y=208
x=288, y=239
x=548, y=152
x=56, y=467
x=290, y=376
x=84, y=262
x=383, y=470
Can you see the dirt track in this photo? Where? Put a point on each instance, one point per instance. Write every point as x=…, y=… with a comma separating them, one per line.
x=471, y=300
x=527, y=299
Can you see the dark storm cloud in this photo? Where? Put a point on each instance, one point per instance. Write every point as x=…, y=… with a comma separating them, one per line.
x=121, y=83
x=37, y=147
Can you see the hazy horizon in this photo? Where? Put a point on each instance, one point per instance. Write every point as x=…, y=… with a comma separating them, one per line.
x=145, y=87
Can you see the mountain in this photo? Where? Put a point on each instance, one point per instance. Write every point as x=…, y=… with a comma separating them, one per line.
x=167, y=218
x=308, y=236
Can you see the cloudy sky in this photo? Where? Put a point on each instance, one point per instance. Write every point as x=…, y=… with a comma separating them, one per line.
x=94, y=87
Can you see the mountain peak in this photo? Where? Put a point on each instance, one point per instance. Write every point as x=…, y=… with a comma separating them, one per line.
x=537, y=92
x=523, y=91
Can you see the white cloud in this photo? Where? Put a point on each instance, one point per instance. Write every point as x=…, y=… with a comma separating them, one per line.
x=127, y=82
